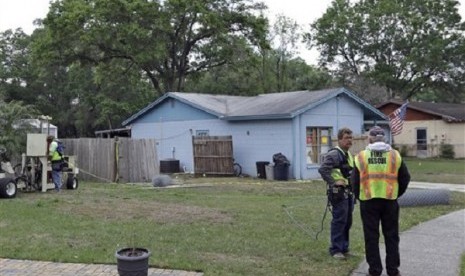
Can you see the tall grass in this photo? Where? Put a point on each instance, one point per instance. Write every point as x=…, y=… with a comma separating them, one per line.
x=223, y=226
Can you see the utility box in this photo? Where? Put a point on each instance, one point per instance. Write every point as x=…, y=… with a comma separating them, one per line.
x=36, y=144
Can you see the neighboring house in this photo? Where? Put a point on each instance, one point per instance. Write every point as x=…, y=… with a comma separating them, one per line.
x=111, y=133
x=301, y=125
x=40, y=126
x=428, y=125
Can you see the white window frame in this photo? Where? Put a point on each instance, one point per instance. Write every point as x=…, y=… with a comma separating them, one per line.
x=317, y=143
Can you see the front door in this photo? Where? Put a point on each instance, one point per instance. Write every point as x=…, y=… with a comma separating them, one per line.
x=422, y=146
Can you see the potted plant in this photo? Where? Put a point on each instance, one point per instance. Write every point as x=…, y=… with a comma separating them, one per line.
x=133, y=261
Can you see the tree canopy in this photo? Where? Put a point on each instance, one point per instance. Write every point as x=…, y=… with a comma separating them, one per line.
x=90, y=64
x=167, y=40
x=408, y=47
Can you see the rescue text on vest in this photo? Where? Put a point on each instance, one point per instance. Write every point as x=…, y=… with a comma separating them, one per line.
x=376, y=157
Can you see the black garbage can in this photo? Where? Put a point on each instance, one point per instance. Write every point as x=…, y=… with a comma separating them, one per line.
x=281, y=172
x=261, y=172
x=281, y=167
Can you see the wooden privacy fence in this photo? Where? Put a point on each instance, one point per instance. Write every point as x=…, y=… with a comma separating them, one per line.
x=114, y=160
x=213, y=155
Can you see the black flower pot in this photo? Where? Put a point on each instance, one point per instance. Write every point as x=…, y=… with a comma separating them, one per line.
x=133, y=261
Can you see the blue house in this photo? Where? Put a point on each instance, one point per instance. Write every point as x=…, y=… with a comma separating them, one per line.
x=302, y=125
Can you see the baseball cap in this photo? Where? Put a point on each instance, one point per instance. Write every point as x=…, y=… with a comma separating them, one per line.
x=376, y=131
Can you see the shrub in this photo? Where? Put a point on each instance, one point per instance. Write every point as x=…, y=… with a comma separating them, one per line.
x=402, y=149
x=446, y=151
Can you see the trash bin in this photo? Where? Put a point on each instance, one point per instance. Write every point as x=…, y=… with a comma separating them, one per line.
x=261, y=173
x=281, y=167
x=281, y=172
x=269, y=169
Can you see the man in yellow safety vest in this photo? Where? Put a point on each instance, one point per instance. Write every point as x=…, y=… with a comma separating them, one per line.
x=335, y=171
x=380, y=176
x=56, y=161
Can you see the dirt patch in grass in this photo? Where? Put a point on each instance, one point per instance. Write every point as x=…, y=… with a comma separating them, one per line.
x=125, y=209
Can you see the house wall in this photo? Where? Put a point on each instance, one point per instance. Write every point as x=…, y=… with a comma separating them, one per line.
x=337, y=113
x=252, y=141
x=172, y=110
x=412, y=114
x=173, y=124
x=259, y=140
x=437, y=131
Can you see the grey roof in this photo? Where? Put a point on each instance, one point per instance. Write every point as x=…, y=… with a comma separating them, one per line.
x=283, y=105
x=449, y=112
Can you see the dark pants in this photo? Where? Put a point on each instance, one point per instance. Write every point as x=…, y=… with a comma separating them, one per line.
x=340, y=225
x=373, y=212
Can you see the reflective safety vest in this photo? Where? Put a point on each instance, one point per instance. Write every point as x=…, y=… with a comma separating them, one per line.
x=55, y=156
x=336, y=173
x=378, y=174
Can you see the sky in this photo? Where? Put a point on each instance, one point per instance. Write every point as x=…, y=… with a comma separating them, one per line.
x=21, y=14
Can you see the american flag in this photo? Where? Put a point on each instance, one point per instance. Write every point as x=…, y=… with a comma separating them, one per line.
x=396, y=119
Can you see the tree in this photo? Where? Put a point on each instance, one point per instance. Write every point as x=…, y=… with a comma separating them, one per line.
x=25, y=82
x=273, y=68
x=250, y=74
x=301, y=76
x=116, y=91
x=284, y=35
x=240, y=76
x=167, y=40
x=16, y=75
x=80, y=97
x=14, y=127
x=406, y=46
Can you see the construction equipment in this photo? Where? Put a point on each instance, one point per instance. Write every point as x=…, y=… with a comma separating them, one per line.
x=7, y=184
x=34, y=171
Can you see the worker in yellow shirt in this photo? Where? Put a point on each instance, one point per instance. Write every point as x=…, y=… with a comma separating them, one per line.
x=56, y=160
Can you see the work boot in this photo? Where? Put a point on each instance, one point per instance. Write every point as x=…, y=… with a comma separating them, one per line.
x=339, y=256
x=374, y=273
x=349, y=254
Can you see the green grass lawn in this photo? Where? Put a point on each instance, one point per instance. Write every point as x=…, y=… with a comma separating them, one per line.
x=224, y=226
x=437, y=170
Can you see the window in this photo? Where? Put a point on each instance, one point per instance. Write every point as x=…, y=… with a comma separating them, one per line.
x=202, y=132
x=318, y=142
